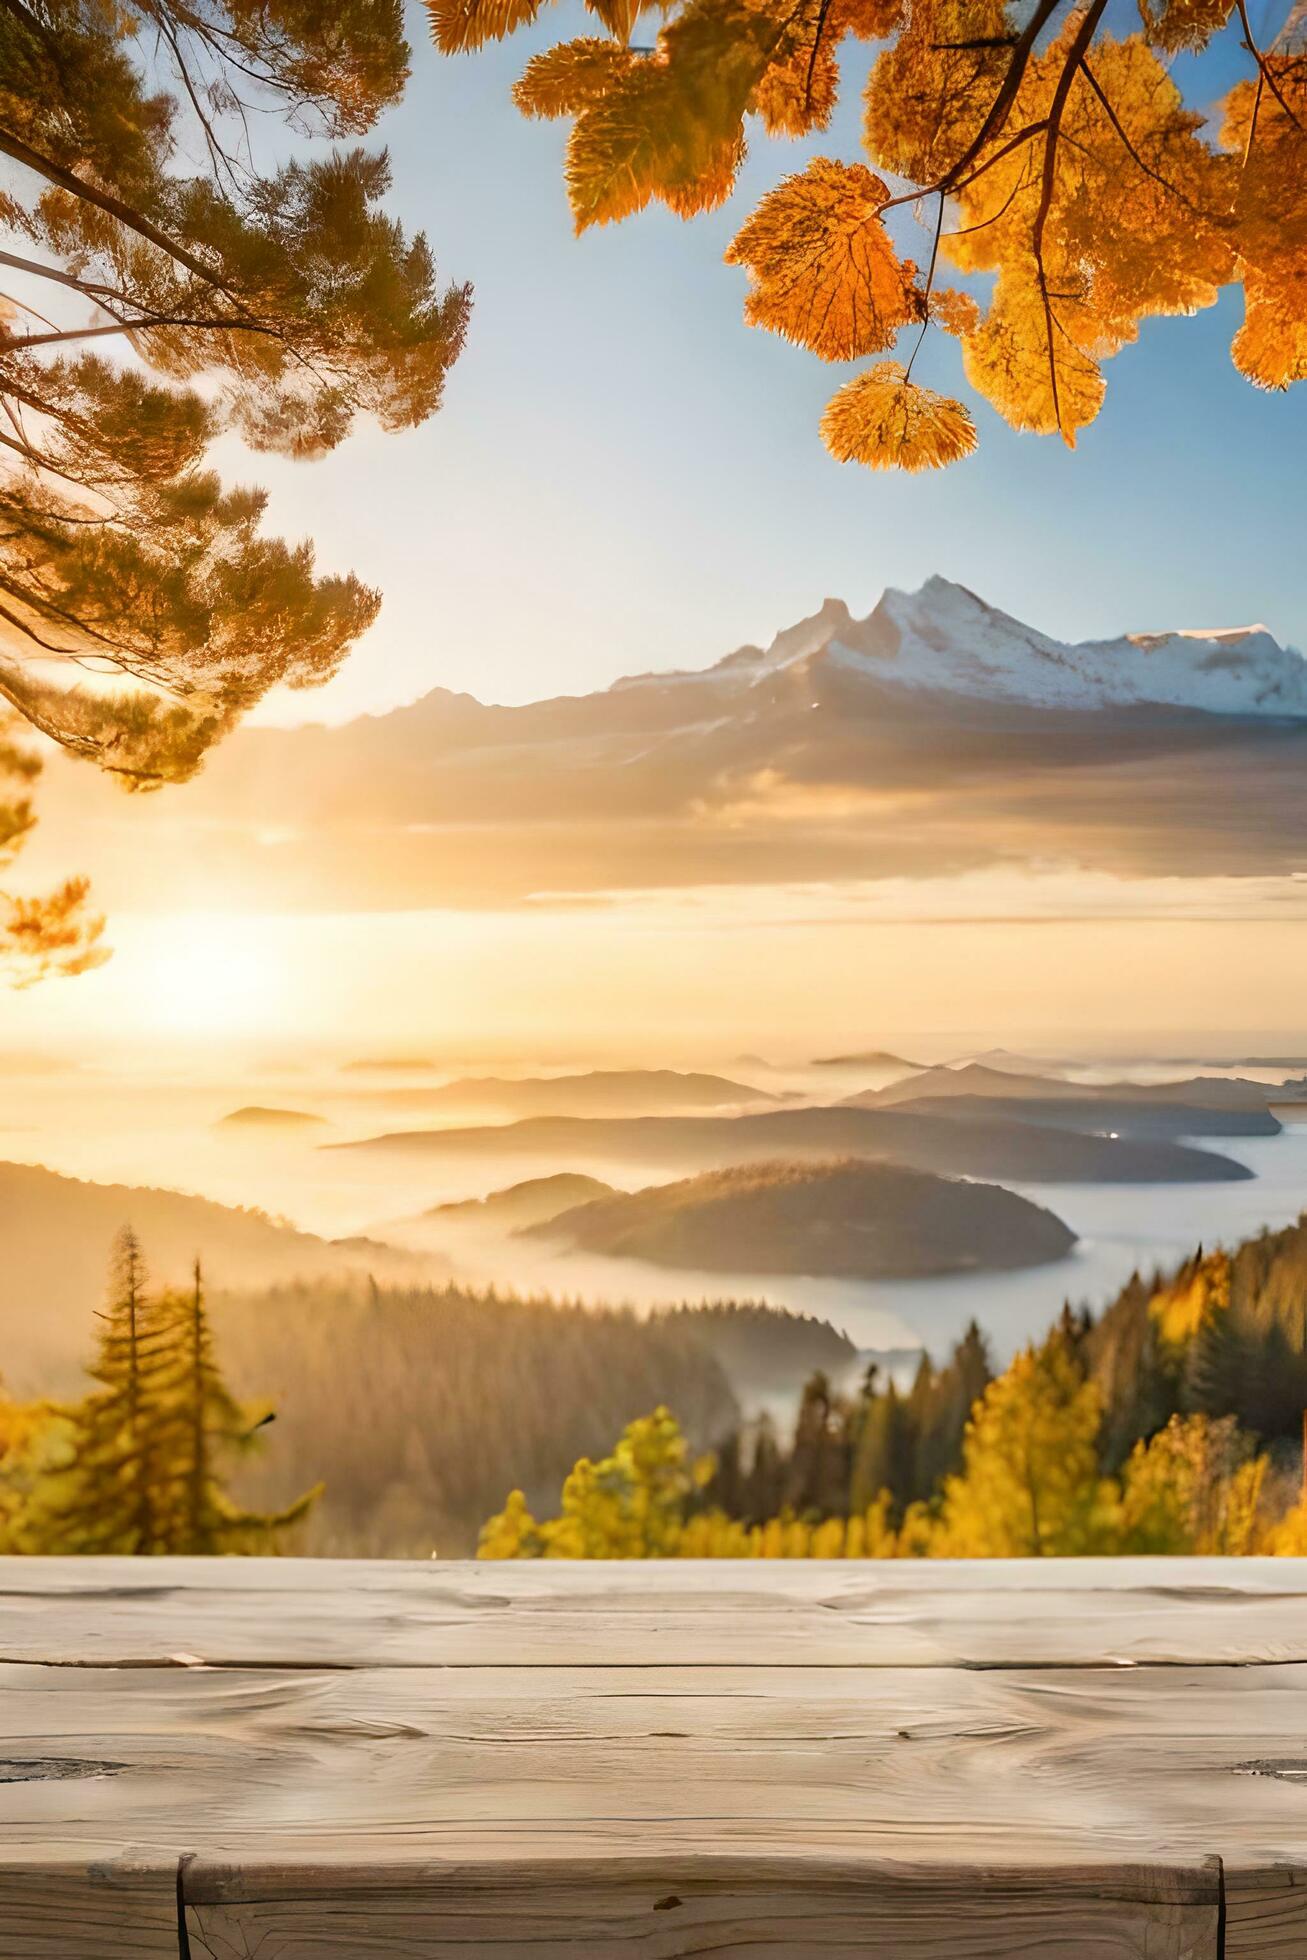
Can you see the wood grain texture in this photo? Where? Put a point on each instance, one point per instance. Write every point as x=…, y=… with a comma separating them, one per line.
x=1045, y=1759
x=974, y=1613
x=671, y=1909
x=70, y=1911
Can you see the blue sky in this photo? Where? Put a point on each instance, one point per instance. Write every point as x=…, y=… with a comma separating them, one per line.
x=625, y=476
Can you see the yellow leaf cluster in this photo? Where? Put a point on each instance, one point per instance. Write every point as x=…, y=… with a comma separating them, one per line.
x=824, y=272
x=457, y=25
x=886, y=421
x=955, y=311
x=670, y=123
x=1088, y=236
x=929, y=93
x=565, y=79
x=1056, y=151
x=798, y=94
x=1176, y=24
x=1269, y=123
x=1022, y=361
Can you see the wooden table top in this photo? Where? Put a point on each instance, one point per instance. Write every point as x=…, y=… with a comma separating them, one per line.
x=224, y=1759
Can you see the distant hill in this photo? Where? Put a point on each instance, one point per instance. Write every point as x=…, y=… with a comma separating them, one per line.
x=1012, y=1064
x=389, y=1065
x=1126, y=1119
x=255, y=1117
x=853, y=1220
x=600, y=1092
x=55, y=1237
x=764, y=1350
x=1007, y=1150
x=528, y=1203
x=976, y=1079
x=868, y=1058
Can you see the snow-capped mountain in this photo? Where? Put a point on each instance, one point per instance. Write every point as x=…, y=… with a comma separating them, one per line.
x=943, y=639
x=936, y=735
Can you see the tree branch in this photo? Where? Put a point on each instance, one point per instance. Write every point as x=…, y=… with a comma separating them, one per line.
x=1264, y=67
x=237, y=325
x=113, y=207
x=1075, y=57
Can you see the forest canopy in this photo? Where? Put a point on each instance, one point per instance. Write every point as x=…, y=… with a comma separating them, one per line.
x=1091, y=164
x=164, y=284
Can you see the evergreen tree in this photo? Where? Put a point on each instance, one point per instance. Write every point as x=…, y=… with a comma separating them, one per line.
x=144, y=1451
x=883, y=1458
x=206, y=1423
x=115, y=1496
x=279, y=303
x=817, y=1477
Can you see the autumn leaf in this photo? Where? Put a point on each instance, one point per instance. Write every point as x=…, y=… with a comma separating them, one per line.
x=869, y=20
x=1023, y=360
x=886, y=421
x=457, y=25
x=1040, y=143
x=618, y=147
x=618, y=16
x=824, y=271
x=565, y=79
x=1270, y=347
x=955, y=311
x=1176, y=24
x=928, y=94
x=625, y=150
x=797, y=95
x=672, y=126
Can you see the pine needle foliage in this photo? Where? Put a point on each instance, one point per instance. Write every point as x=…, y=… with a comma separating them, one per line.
x=1052, y=148
x=143, y=608
x=145, y=1453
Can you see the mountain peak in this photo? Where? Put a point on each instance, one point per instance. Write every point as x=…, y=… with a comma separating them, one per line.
x=945, y=639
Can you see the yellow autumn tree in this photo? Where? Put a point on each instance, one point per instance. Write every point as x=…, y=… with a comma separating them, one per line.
x=1030, y=1483
x=1197, y=1486
x=628, y=1505
x=1040, y=146
x=32, y=1445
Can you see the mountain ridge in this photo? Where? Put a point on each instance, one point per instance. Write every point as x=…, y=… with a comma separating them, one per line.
x=789, y=765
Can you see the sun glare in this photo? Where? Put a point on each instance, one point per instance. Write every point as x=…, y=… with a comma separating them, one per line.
x=211, y=974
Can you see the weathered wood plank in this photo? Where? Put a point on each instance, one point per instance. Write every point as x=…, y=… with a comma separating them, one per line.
x=1063, y=1612
x=1001, y=1766
x=427, y=1760
x=85, y=1912
x=1266, y=1910
x=596, y=1909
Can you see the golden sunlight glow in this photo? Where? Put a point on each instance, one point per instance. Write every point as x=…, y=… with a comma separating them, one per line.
x=213, y=973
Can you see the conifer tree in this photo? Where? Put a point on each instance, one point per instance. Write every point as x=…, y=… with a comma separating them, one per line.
x=116, y=1495
x=207, y=1424
x=278, y=302
x=145, y=1450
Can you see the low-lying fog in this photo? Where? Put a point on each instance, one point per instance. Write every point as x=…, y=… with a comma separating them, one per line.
x=132, y=1129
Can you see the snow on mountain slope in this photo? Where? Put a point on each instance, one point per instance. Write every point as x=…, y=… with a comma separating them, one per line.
x=945, y=639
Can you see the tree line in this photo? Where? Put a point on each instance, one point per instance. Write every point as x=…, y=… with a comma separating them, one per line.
x=416, y=1404
x=1171, y=1423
